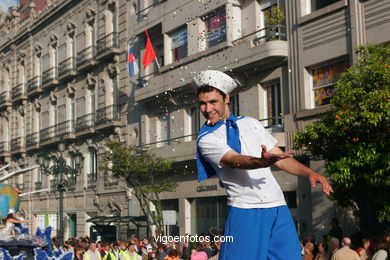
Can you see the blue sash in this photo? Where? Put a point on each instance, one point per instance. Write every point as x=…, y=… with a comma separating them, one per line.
x=205, y=169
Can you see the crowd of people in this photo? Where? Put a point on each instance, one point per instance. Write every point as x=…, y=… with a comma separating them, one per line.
x=335, y=246
x=370, y=248
x=135, y=249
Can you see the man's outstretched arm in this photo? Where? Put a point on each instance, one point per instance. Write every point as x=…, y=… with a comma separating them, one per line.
x=245, y=162
x=296, y=168
x=283, y=160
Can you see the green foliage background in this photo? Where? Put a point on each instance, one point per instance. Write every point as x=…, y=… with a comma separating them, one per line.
x=353, y=137
x=147, y=175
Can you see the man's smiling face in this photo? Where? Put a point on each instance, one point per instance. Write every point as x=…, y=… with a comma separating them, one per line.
x=214, y=106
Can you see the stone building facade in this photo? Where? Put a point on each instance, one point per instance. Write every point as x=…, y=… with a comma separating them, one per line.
x=63, y=76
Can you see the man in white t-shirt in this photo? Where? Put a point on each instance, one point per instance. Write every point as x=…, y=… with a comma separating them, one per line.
x=235, y=150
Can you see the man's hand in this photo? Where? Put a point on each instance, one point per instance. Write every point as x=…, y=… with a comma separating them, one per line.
x=315, y=177
x=271, y=158
x=296, y=168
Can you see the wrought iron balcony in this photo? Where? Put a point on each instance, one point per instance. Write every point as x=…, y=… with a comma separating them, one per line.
x=108, y=43
x=18, y=91
x=91, y=180
x=86, y=55
x=56, y=131
x=16, y=144
x=85, y=122
x=106, y=115
x=46, y=134
x=4, y=147
x=268, y=33
x=64, y=128
x=50, y=76
x=34, y=84
x=38, y=185
x=4, y=98
x=32, y=139
x=66, y=66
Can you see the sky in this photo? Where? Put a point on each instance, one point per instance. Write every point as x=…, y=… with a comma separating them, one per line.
x=4, y=4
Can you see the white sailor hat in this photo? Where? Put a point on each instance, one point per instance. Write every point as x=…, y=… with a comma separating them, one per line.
x=11, y=211
x=216, y=79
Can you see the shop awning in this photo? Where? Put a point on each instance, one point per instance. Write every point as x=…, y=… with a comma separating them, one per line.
x=105, y=220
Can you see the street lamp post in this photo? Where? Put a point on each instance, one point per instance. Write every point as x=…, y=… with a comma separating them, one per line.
x=64, y=177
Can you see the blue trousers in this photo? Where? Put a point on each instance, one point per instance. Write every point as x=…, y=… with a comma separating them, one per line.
x=260, y=234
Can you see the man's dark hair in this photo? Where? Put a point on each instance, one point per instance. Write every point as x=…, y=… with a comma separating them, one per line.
x=207, y=88
x=71, y=242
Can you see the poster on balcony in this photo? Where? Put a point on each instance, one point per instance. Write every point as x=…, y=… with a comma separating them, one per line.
x=216, y=25
x=179, y=38
x=41, y=221
x=52, y=221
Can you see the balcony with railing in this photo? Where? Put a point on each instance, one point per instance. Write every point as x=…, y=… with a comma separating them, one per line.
x=17, y=145
x=5, y=99
x=4, y=148
x=267, y=45
x=86, y=58
x=67, y=68
x=32, y=141
x=55, y=133
x=85, y=123
x=107, y=117
x=273, y=123
x=34, y=85
x=91, y=180
x=38, y=185
x=179, y=148
x=108, y=45
x=19, y=92
x=50, y=77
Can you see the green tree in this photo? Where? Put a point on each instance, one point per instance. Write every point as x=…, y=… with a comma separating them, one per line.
x=146, y=174
x=275, y=17
x=274, y=20
x=353, y=137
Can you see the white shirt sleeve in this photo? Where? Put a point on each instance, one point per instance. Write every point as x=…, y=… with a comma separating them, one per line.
x=213, y=148
x=269, y=140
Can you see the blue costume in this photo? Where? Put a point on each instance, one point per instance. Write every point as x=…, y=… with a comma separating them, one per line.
x=258, y=219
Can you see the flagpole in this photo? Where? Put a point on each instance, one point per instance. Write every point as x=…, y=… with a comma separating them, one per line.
x=158, y=64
